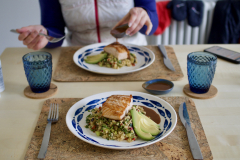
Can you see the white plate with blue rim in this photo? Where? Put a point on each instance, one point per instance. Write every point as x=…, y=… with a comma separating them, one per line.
x=76, y=119
x=145, y=57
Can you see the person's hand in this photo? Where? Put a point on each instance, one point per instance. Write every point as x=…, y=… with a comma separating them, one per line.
x=136, y=18
x=29, y=36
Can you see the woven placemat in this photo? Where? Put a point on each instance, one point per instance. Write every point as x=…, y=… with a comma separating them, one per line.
x=68, y=71
x=64, y=145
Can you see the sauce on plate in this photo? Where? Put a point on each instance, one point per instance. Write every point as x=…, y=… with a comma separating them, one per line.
x=159, y=86
x=152, y=114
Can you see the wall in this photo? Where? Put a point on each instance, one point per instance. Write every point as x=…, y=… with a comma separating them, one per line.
x=16, y=14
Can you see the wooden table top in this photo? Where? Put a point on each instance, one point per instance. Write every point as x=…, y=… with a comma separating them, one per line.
x=220, y=116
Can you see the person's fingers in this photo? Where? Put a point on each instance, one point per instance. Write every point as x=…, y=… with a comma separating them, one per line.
x=43, y=30
x=38, y=43
x=133, y=27
x=30, y=37
x=41, y=43
x=149, y=26
x=24, y=32
x=25, y=29
x=139, y=25
x=137, y=19
x=123, y=20
x=134, y=14
x=34, y=42
x=23, y=35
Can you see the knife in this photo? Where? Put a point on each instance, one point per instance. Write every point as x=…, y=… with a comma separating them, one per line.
x=183, y=113
x=166, y=60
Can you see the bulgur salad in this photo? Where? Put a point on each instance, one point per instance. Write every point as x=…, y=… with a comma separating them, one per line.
x=112, y=129
x=112, y=62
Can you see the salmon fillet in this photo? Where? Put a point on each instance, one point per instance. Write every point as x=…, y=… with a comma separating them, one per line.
x=117, y=50
x=117, y=106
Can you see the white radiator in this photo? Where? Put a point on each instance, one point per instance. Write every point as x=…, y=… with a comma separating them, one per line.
x=182, y=33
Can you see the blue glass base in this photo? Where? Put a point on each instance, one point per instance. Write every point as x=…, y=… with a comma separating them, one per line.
x=40, y=90
x=199, y=91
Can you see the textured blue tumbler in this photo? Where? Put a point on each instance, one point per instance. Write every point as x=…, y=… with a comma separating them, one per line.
x=38, y=70
x=201, y=69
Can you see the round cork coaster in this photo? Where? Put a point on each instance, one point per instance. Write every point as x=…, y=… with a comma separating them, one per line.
x=28, y=92
x=210, y=94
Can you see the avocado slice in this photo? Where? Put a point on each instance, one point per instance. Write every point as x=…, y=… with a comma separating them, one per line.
x=95, y=58
x=136, y=125
x=145, y=127
x=149, y=121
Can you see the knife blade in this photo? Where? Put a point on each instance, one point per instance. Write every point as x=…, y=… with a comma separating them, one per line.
x=195, y=149
x=166, y=60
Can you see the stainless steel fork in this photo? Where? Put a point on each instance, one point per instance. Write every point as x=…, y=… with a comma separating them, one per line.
x=50, y=38
x=52, y=118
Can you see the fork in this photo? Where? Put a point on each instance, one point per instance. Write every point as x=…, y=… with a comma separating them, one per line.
x=52, y=118
x=49, y=38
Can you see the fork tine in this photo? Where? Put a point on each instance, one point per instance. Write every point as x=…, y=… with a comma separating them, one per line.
x=49, y=114
x=52, y=114
x=57, y=111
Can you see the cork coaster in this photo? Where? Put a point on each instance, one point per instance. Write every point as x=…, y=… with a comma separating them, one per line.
x=65, y=145
x=28, y=92
x=210, y=94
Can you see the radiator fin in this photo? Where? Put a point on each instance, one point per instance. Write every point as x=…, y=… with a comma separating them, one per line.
x=182, y=33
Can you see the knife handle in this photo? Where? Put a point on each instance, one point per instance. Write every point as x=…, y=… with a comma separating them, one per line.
x=46, y=137
x=163, y=50
x=196, y=151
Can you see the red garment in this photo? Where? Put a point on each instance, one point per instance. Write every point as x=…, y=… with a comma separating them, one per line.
x=164, y=17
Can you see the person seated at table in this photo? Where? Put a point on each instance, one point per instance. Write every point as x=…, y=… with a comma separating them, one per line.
x=90, y=21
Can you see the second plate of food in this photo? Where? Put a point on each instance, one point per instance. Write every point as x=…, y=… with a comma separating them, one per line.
x=145, y=57
x=78, y=121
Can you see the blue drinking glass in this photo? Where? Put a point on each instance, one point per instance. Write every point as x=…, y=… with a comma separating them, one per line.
x=38, y=70
x=201, y=69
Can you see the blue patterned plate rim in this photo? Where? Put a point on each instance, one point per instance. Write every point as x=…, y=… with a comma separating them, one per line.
x=144, y=55
x=76, y=117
